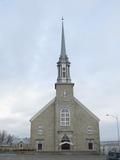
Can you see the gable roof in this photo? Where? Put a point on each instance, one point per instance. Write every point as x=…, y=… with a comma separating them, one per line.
x=19, y=140
x=75, y=99
x=43, y=109
x=86, y=109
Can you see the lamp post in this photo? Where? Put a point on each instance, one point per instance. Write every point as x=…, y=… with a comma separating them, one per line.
x=118, y=133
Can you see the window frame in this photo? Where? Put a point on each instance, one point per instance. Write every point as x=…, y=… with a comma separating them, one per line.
x=65, y=117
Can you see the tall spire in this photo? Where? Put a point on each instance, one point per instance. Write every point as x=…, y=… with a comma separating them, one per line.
x=63, y=49
x=63, y=64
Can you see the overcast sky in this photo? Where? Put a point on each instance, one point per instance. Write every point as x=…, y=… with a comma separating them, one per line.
x=30, y=35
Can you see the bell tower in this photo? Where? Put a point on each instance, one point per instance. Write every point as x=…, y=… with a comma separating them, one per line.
x=63, y=86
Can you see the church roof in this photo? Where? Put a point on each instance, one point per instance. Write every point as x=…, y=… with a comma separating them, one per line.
x=43, y=109
x=75, y=99
x=86, y=109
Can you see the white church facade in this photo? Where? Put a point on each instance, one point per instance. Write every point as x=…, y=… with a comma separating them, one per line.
x=64, y=124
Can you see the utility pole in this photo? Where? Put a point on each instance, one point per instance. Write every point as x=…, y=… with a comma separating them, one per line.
x=117, y=125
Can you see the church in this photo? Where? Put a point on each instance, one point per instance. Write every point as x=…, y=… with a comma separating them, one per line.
x=64, y=124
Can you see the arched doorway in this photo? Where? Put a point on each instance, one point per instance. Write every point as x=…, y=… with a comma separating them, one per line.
x=65, y=146
x=65, y=143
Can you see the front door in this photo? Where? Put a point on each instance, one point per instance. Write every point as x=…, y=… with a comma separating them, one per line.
x=65, y=143
x=65, y=146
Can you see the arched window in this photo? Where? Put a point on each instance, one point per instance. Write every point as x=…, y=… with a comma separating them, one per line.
x=64, y=117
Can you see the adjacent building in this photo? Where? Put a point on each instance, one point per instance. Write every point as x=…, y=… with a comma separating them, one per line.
x=109, y=146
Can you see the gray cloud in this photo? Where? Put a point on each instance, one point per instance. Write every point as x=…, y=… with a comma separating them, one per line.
x=29, y=49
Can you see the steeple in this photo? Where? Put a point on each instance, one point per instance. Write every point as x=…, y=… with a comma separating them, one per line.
x=63, y=64
x=63, y=49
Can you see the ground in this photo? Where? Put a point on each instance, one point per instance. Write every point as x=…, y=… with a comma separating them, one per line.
x=50, y=157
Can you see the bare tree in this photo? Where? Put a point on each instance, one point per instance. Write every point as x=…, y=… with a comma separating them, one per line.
x=5, y=138
x=9, y=139
x=2, y=137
